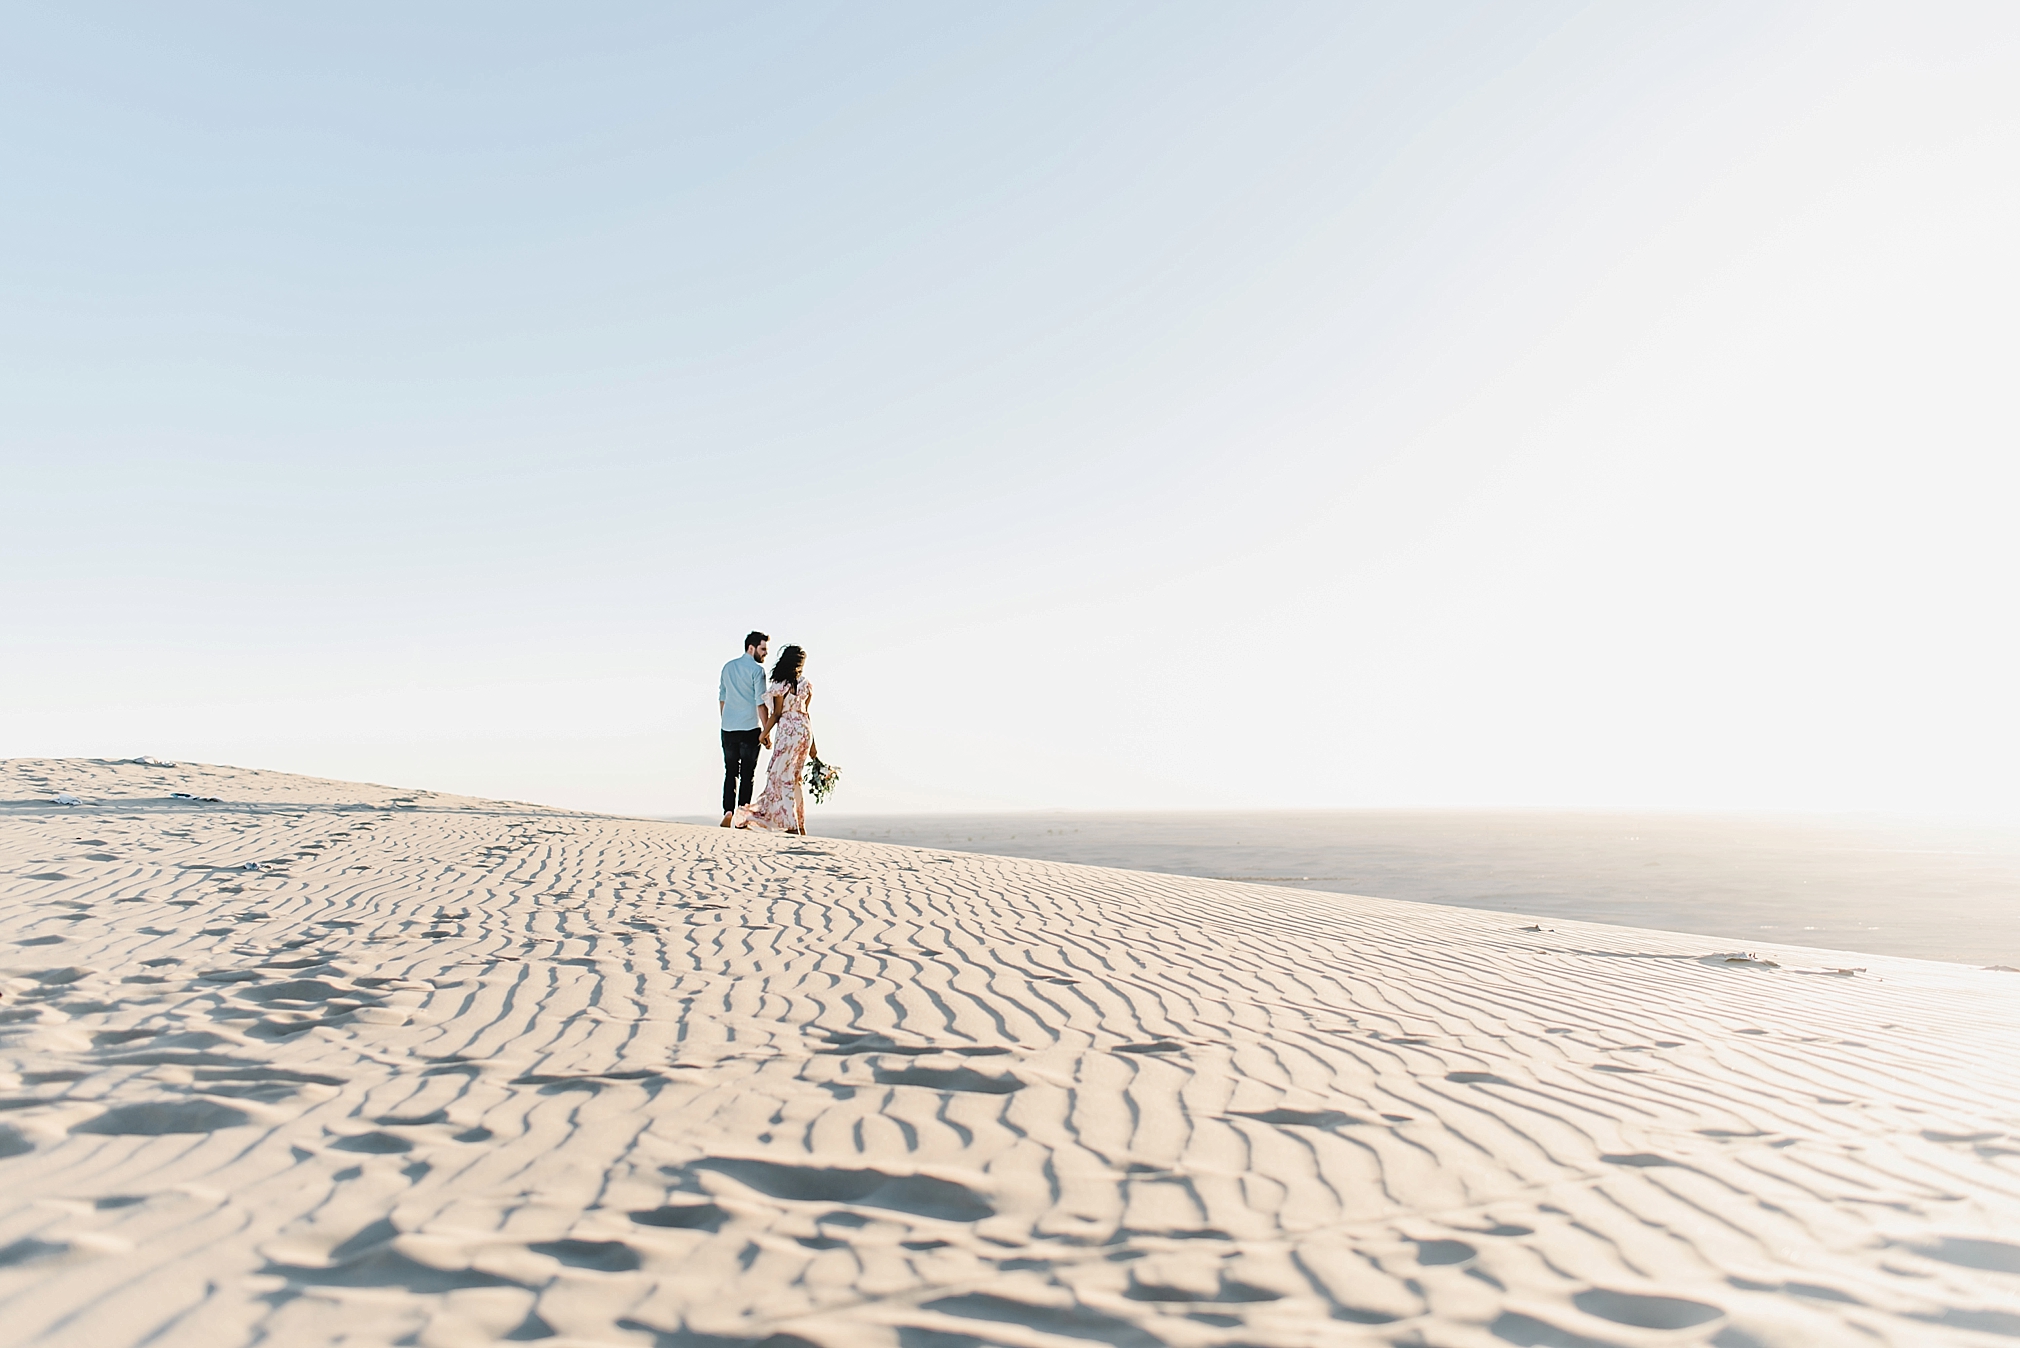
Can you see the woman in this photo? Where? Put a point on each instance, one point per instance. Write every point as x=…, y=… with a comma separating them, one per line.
x=782, y=807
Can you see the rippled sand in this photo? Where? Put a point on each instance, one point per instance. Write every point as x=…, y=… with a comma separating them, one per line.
x=327, y=1063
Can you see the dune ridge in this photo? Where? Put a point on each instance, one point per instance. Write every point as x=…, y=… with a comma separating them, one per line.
x=318, y=1062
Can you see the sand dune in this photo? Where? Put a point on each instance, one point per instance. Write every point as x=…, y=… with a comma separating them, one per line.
x=319, y=1063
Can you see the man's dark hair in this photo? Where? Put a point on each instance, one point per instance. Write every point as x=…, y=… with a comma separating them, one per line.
x=755, y=639
x=786, y=669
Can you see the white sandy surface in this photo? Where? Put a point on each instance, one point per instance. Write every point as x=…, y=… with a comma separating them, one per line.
x=445, y=1071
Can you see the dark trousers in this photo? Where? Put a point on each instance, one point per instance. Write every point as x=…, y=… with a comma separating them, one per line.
x=739, y=767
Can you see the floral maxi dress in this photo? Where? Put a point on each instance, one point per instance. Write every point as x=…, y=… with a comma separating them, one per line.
x=780, y=808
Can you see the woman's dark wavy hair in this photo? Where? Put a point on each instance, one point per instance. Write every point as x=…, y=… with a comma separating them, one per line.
x=786, y=669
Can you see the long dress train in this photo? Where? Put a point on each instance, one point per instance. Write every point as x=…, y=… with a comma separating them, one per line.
x=780, y=807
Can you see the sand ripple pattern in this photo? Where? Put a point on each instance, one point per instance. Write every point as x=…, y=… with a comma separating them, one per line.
x=320, y=1063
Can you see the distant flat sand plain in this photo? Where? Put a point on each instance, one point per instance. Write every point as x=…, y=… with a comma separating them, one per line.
x=1927, y=889
x=325, y=1063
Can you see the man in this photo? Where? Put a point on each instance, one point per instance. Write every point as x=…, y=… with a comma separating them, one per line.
x=746, y=721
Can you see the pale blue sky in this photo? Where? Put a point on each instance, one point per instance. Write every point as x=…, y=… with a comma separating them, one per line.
x=1128, y=405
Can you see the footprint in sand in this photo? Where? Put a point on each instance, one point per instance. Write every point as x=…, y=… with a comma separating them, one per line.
x=1438, y=1253
x=1992, y=1256
x=1645, y=1312
x=29, y=1250
x=154, y=1118
x=1300, y=1118
x=373, y=1144
x=605, y=1256
x=948, y=1079
x=683, y=1217
x=919, y=1195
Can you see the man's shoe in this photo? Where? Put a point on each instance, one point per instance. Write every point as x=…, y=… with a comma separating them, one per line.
x=725, y=821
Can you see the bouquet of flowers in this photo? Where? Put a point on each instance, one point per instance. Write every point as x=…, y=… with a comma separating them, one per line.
x=821, y=779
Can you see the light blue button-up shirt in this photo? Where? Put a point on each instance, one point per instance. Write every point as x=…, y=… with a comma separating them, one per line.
x=741, y=687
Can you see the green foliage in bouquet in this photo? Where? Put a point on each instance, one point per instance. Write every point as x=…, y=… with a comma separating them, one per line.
x=821, y=779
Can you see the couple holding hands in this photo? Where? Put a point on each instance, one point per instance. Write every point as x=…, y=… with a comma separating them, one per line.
x=771, y=713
